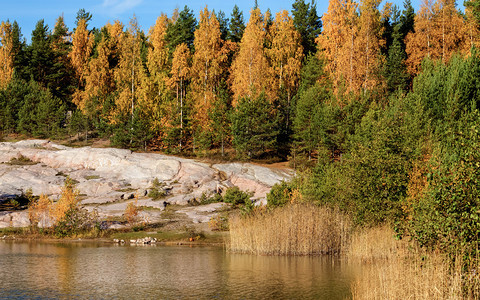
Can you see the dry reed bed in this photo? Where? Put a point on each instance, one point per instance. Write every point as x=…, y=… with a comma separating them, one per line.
x=391, y=269
x=292, y=230
x=386, y=268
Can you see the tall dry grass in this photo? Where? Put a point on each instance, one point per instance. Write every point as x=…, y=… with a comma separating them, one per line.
x=391, y=269
x=296, y=229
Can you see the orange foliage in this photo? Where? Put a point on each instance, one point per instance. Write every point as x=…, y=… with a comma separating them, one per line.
x=249, y=71
x=337, y=44
x=6, y=54
x=285, y=54
x=208, y=65
x=440, y=31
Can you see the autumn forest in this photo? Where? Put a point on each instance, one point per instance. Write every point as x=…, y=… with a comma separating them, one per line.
x=375, y=105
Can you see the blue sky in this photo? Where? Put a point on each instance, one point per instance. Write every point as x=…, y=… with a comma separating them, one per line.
x=28, y=12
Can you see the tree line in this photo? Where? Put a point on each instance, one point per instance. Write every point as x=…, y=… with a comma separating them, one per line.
x=376, y=108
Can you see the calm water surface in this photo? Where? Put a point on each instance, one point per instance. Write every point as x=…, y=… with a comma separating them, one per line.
x=98, y=271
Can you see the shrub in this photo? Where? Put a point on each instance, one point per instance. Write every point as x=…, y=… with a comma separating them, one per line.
x=131, y=213
x=156, y=192
x=235, y=196
x=218, y=223
x=280, y=194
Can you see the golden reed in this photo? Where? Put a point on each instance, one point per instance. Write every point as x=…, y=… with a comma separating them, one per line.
x=296, y=229
x=398, y=269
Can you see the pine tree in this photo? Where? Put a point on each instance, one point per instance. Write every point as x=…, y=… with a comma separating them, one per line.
x=61, y=76
x=254, y=127
x=307, y=23
x=224, y=24
x=84, y=15
x=237, y=25
x=41, y=55
x=182, y=29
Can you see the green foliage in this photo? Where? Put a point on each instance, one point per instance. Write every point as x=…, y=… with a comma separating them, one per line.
x=448, y=214
x=182, y=31
x=307, y=23
x=280, y=194
x=75, y=221
x=204, y=199
x=254, y=127
x=237, y=25
x=132, y=132
x=156, y=191
x=236, y=196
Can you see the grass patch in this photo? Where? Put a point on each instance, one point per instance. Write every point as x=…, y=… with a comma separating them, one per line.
x=21, y=161
x=126, y=190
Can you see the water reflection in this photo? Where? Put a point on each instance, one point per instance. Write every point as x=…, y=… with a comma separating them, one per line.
x=43, y=270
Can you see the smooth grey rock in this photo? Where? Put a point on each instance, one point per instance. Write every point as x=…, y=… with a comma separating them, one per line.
x=103, y=175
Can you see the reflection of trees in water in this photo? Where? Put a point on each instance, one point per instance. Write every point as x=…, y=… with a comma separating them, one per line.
x=95, y=270
x=287, y=276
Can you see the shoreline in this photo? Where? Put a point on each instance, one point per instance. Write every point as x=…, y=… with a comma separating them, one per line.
x=164, y=238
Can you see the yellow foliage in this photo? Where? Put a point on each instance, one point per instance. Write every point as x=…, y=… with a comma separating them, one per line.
x=250, y=74
x=285, y=54
x=67, y=201
x=39, y=211
x=82, y=45
x=208, y=65
x=440, y=30
x=6, y=54
x=131, y=212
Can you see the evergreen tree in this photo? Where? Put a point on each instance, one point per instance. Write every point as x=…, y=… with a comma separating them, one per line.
x=41, y=55
x=61, y=76
x=182, y=30
x=82, y=14
x=223, y=22
x=19, y=48
x=307, y=23
x=254, y=127
x=237, y=25
x=396, y=73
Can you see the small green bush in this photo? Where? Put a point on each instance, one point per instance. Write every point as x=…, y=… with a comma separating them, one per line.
x=156, y=192
x=235, y=196
x=279, y=195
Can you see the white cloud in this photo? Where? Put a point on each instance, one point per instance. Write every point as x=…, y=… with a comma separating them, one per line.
x=115, y=7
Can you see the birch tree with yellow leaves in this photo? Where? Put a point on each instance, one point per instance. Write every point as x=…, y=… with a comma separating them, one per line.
x=285, y=54
x=82, y=46
x=208, y=67
x=6, y=54
x=369, y=43
x=250, y=71
x=155, y=88
x=130, y=72
x=180, y=73
x=99, y=80
x=337, y=45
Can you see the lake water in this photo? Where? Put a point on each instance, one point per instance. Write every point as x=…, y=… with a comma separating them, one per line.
x=97, y=271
